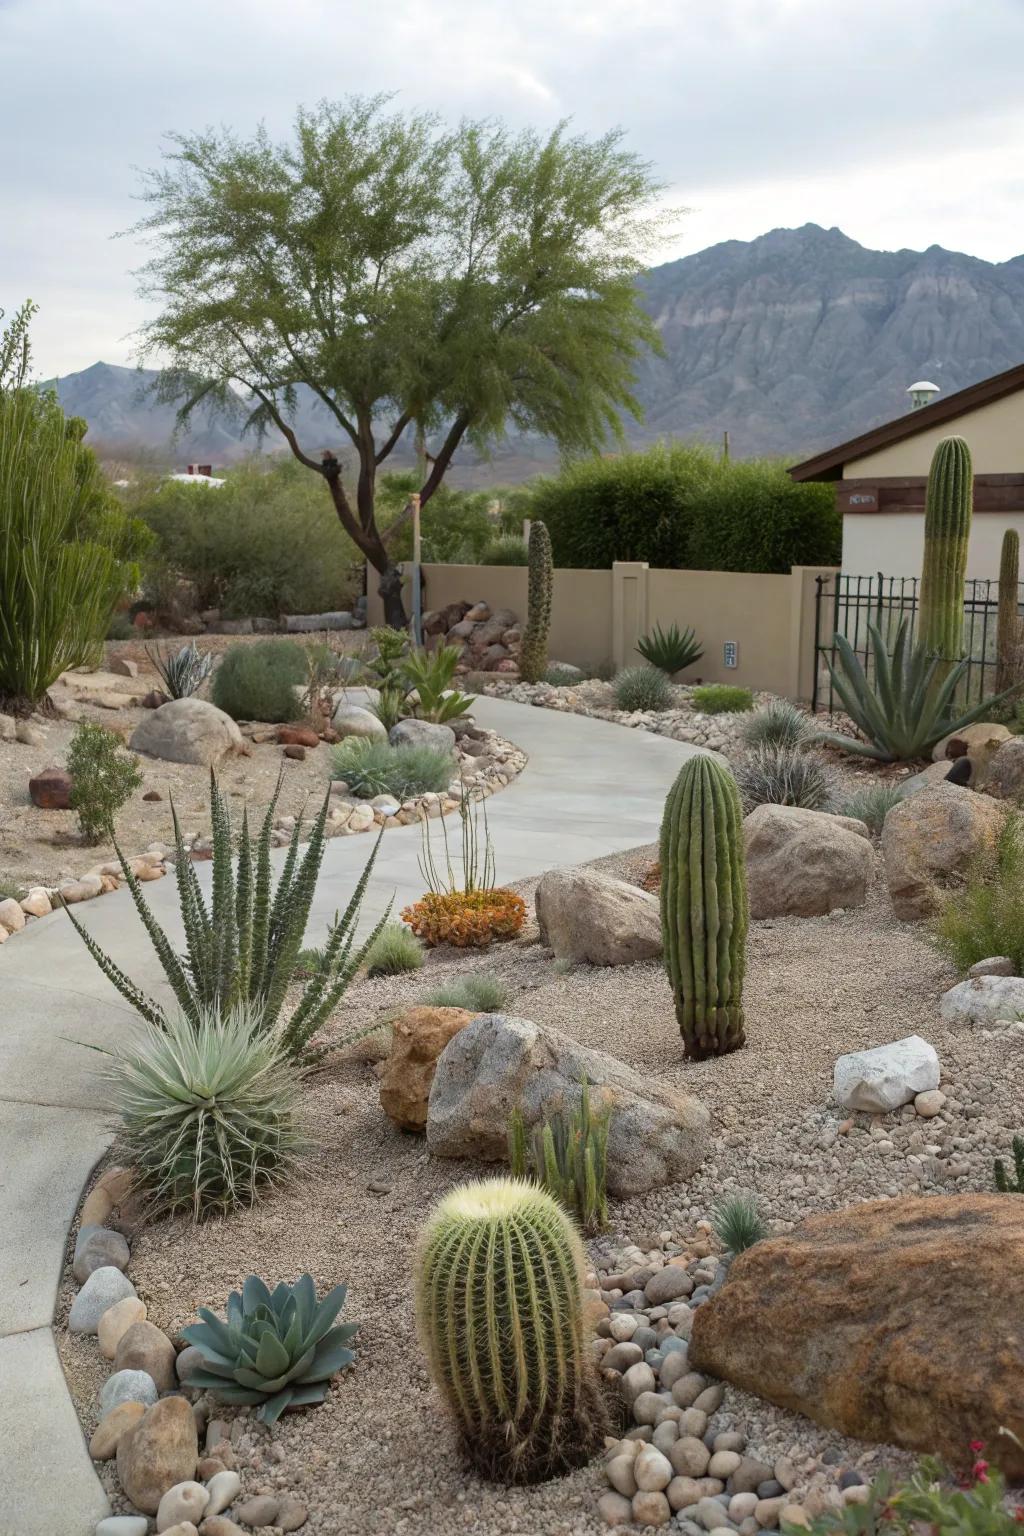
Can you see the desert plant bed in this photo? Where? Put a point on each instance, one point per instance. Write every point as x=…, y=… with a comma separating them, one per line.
x=379, y=1456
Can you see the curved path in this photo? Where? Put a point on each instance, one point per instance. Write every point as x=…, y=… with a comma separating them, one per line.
x=590, y=788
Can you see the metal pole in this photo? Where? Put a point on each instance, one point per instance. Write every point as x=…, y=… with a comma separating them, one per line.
x=417, y=600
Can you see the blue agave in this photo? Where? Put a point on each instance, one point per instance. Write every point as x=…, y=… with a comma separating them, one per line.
x=276, y=1348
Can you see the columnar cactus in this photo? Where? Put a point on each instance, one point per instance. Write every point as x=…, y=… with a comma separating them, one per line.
x=947, y=528
x=533, y=654
x=499, y=1294
x=704, y=906
x=1009, y=631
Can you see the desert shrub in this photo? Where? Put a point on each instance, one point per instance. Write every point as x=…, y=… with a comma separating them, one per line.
x=371, y=766
x=393, y=951
x=12, y=890
x=642, y=688
x=103, y=779
x=258, y=682
x=785, y=776
x=567, y=1154
x=779, y=724
x=871, y=804
x=210, y=1110
x=506, y=549
x=563, y=675
x=669, y=650
x=466, y=918
x=182, y=672
x=1006, y=1183
x=750, y=516
x=479, y=992
x=985, y=916
x=266, y=542
x=722, y=699
x=933, y=1501
x=738, y=1223
x=120, y=627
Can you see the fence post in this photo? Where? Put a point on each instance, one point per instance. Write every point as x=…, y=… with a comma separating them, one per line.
x=629, y=609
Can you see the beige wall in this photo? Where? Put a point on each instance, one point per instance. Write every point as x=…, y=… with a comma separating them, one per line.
x=893, y=542
x=994, y=433
x=597, y=616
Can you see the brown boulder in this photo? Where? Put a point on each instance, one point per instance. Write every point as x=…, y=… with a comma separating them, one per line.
x=585, y=915
x=1005, y=775
x=106, y=1437
x=978, y=743
x=160, y=1450
x=929, y=840
x=295, y=751
x=848, y=1319
x=804, y=863
x=297, y=736
x=144, y=1347
x=418, y=1038
x=51, y=790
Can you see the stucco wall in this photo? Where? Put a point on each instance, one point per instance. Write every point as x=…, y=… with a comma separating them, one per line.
x=893, y=542
x=994, y=433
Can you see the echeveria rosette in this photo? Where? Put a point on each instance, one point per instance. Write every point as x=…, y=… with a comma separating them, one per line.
x=276, y=1348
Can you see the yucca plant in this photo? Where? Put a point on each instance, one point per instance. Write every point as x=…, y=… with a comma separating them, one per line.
x=430, y=673
x=182, y=672
x=567, y=1154
x=1004, y=1183
x=244, y=945
x=390, y=706
x=738, y=1222
x=907, y=705
x=669, y=649
x=277, y=1348
x=499, y=1300
x=211, y=1115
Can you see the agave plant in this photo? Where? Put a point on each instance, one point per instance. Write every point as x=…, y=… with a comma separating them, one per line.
x=278, y=1348
x=907, y=706
x=182, y=672
x=669, y=650
x=431, y=674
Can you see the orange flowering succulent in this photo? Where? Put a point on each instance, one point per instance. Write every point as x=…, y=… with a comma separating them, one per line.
x=467, y=919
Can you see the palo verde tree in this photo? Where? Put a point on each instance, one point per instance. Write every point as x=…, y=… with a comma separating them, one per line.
x=413, y=283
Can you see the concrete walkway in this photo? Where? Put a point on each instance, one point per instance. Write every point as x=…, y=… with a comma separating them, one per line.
x=589, y=789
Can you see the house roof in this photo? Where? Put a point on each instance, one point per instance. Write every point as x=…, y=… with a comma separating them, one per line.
x=829, y=465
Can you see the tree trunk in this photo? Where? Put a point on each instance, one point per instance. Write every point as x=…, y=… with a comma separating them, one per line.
x=390, y=589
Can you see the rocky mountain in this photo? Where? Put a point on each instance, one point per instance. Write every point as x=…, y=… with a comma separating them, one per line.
x=790, y=342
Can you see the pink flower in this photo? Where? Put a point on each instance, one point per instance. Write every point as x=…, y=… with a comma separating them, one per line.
x=977, y=1445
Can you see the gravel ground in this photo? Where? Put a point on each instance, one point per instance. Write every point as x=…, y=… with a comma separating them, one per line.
x=379, y=1457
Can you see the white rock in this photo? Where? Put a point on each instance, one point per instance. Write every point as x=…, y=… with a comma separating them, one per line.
x=123, y=1525
x=185, y=1501
x=37, y=903
x=652, y=1470
x=386, y=804
x=983, y=1000
x=361, y=819
x=354, y=720
x=887, y=1077
x=929, y=1103
x=187, y=731
x=223, y=1487
x=103, y=1287
x=127, y=1387
x=12, y=917
x=622, y=1326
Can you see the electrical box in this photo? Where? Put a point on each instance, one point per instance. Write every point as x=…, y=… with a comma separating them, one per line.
x=731, y=653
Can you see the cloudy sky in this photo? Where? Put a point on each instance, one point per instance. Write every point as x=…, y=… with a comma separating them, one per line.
x=901, y=121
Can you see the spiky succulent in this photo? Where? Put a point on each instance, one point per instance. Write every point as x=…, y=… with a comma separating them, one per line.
x=182, y=672
x=277, y=1348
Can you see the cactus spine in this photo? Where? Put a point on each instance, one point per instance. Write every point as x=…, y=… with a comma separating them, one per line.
x=704, y=906
x=947, y=528
x=1009, y=635
x=500, y=1311
x=533, y=654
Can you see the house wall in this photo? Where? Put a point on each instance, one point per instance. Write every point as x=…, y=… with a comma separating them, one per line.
x=994, y=434
x=893, y=542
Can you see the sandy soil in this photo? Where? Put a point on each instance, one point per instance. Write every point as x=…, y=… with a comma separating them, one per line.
x=378, y=1457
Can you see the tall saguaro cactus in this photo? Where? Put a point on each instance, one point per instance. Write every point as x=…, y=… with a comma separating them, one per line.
x=947, y=529
x=1009, y=630
x=704, y=906
x=533, y=654
x=499, y=1300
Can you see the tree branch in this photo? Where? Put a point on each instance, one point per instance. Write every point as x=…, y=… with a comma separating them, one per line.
x=393, y=436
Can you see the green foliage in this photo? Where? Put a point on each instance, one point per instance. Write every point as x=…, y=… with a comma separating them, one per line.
x=567, y=1154
x=681, y=507
x=563, y=675
x=390, y=650
x=210, y=1110
x=430, y=675
x=103, y=779
x=1004, y=1184
x=930, y=1502
x=507, y=549
x=455, y=525
x=1009, y=628
x=67, y=551
x=244, y=946
x=259, y=681
x=279, y=1349
x=391, y=706
x=499, y=1301
x=120, y=627
x=668, y=650
x=394, y=950
x=266, y=542
x=371, y=766
x=475, y=861
x=784, y=775
x=704, y=906
x=949, y=501
x=642, y=688
x=871, y=804
x=905, y=705
x=738, y=1222
x=722, y=699
x=12, y=890
x=477, y=992
x=182, y=672
x=533, y=654
x=779, y=724
x=985, y=915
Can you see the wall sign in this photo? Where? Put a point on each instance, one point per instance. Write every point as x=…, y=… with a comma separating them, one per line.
x=731, y=653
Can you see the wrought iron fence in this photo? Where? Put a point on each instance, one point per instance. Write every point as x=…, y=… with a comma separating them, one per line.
x=846, y=605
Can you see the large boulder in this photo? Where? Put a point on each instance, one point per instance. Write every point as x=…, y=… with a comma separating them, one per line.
x=979, y=743
x=584, y=915
x=157, y=1452
x=354, y=720
x=805, y=863
x=983, y=1000
x=658, y=1135
x=422, y=733
x=847, y=1319
x=187, y=731
x=1004, y=777
x=929, y=840
x=887, y=1077
x=417, y=1040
